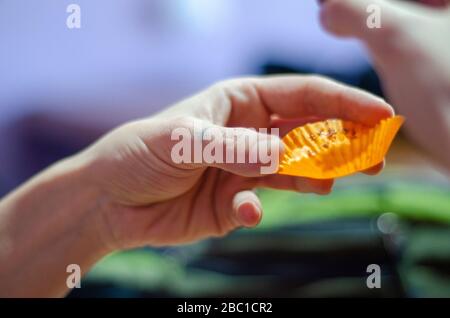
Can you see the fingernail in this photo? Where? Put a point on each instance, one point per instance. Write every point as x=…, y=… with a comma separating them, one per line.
x=249, y=214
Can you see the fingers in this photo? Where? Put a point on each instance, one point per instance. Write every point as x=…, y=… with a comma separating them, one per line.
x=359, y=18
x=241, y=151
x=298, y=184
x=436, y=3
x=247, y=209
x=251, y=101
x=252, y=153
x=286, y=125
x=246, y=206
x=347, y=17
x=255, y=153
x=300, y=96
x=375, y=169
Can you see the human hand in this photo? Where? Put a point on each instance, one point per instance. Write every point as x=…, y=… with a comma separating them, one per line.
x=150, y=200
x=127, y=191
x=411, y=52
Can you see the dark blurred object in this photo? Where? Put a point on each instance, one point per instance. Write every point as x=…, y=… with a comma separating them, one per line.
x=38, y=140
x=324, y=259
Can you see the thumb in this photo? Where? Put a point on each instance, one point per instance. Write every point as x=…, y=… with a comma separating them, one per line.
x=246, y=152
x=369, y=20
x=242, y=151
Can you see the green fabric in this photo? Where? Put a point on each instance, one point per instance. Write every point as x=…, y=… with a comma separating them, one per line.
x=412, y=200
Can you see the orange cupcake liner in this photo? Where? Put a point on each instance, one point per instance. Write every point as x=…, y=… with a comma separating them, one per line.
x=335, y=148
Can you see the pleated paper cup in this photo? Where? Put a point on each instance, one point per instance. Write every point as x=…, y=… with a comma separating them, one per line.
x=335, y=148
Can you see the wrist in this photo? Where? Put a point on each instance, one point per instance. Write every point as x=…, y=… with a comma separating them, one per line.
x=90, y=201
x=50, y=222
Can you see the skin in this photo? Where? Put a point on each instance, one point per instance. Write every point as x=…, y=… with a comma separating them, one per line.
x=125, y=191
x=411, y=52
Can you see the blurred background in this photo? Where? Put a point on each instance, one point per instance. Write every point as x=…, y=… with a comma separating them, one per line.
x=62, y=88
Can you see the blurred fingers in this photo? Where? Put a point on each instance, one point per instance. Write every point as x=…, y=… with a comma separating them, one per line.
x=375, y=169
x=298, y=184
